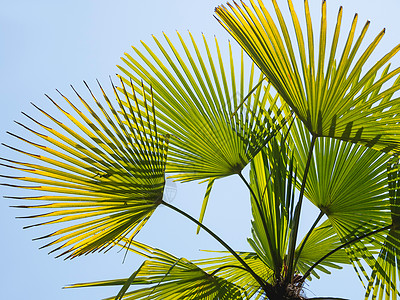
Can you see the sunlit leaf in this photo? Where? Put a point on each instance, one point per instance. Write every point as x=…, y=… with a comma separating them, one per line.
x=165, y=276
x=102, y=172
x=197, y=89
x=227, y=267
x=341, y=95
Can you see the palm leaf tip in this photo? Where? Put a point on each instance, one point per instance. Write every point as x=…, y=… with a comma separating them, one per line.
x=331, y=94
x=103, y=173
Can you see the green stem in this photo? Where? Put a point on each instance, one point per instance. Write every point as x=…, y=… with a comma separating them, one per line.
x=265, y=285
x=321, y=214
x=308, y=272
x=296, y=220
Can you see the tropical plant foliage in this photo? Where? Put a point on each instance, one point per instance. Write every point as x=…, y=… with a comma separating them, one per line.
x=168, y=277
x=312, y=122
x=110, y=174
x=332, y=96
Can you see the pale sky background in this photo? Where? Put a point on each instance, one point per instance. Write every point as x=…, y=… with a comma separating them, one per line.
x=51, y=44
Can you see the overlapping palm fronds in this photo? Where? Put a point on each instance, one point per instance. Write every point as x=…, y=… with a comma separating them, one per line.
x=198, y=102
x=384, y=278
x=103, y=175
x=348, y=184
x=344, y=96
x=102, y=172
x=321, y=241
x=165, y=276
x=273, y=181
x=333, y=97
x=227, y=267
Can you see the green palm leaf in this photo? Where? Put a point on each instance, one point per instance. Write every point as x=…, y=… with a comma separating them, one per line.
x=165, y=276
x=346, y=182
x=227, y=267
x=331, y=95
x=196, y=96
x=273, y=181
x=103, y=175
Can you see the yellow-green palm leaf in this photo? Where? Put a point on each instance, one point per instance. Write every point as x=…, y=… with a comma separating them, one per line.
x=196, y=90
x=347, y=182
x=227, y=267
x=165, y=276
x=273, y=182
x=340, y=95
x=101, y=171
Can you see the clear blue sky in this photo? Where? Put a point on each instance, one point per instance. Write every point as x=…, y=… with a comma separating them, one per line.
x=51, y=44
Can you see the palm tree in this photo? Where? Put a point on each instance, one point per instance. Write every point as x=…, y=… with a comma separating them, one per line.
x=310, y=123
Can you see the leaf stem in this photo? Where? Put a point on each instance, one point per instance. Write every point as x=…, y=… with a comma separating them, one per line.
x=308, y=272
x=296, y=220
x=265, y=285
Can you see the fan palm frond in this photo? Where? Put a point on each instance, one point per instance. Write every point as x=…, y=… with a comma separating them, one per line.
x=103, y=175
x=165, y=276
x=347, y=182
x=346, y=97
x=197, y=99
x=200, y=104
